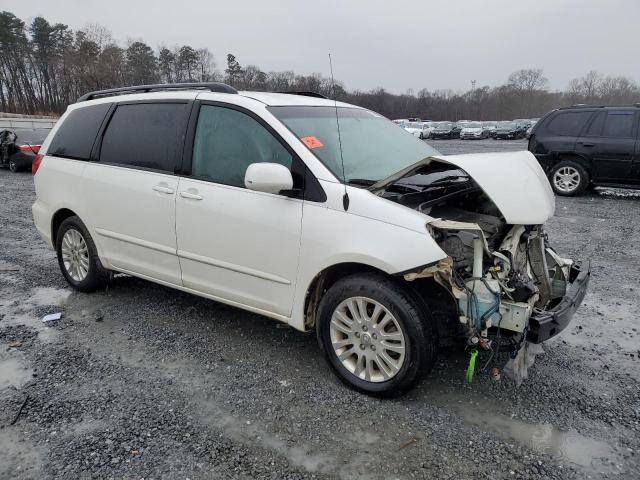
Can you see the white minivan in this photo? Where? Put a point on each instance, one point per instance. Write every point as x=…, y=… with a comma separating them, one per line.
x=316, y=213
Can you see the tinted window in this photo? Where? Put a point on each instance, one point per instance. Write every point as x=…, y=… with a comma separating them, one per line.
x=595, y=129
x=618, y=124
x=568, y=123
x=228, y=141
x=147, y=135
x=75, y=137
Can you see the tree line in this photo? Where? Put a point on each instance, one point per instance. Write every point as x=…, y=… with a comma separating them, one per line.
x=44, y=67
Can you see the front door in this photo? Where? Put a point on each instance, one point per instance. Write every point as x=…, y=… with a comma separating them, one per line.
x=235, y=244
x=131, y=190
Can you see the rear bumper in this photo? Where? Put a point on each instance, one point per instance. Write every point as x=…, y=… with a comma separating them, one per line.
x=545, y=324
x=42, y=220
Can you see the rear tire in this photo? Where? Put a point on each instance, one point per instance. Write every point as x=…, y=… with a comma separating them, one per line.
x=376, y=335
x=568, y=178
x=78, y=257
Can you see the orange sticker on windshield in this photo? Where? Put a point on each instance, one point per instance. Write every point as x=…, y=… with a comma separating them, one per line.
x=312, y=142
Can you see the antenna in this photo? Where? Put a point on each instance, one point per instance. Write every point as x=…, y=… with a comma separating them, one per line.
x=345, y=198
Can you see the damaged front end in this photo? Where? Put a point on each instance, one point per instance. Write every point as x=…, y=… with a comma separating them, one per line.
x=510, y=287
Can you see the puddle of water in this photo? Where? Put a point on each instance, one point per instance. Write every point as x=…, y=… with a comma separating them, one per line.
x=13, y=373
x=23, y=313
x=570, y=446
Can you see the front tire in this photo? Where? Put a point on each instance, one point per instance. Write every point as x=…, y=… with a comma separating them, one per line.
x=13, y=166
x=78, y=257
x=375, y=334
x=568, y=178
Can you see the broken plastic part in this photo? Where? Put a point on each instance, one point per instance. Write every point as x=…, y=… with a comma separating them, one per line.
x=471, y=368
x=517, y=369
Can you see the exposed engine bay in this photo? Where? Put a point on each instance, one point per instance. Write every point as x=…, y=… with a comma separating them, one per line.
x=504, y=278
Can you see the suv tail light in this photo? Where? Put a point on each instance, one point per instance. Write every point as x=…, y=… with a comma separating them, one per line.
x=37, y=160
x=29, y=148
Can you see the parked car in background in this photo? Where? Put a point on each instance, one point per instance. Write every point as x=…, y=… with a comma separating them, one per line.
x=417, y=129
x=204, y=190
x=19, y=148
x=523, y=122
x=587, y=146
x=427, y=128
x=490, y=127
x=445, y=130
x=473, y=130
x=533, y=122
x=508, y=131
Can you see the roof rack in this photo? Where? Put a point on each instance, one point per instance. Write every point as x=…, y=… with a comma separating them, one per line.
x=586, y=105
x=305, y=94
x=211, y=86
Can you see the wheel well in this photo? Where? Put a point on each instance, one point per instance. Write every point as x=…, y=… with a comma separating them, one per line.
x=59, y=217
x=430, y=294
x=573, y=157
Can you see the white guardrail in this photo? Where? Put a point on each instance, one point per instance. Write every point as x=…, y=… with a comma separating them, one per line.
x=26, y=122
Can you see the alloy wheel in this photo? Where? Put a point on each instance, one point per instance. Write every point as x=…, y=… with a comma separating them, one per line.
x=75, y=255
x=367, y=339
x=566, y=179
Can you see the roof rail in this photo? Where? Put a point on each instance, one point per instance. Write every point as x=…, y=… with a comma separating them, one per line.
x=211, y=86
x=305, y=94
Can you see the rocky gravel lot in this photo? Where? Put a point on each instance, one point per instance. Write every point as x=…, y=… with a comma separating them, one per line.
x=141, y=381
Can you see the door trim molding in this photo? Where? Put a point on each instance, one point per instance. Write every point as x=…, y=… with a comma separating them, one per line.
x=135, y=241
x=233, y=267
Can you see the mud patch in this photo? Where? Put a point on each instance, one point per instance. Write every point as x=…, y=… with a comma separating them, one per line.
x=13, y=372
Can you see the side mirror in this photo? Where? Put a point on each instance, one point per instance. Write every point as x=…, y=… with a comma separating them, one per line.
x=268, y=178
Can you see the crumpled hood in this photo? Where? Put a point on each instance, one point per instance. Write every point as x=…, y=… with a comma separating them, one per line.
x=514, y=181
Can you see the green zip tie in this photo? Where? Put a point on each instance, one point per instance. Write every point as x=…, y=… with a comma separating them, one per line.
x=471, y=369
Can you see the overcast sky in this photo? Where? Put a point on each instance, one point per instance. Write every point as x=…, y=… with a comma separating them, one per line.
x=396, y=44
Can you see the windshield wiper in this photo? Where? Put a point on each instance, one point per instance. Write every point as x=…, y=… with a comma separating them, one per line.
x=361, y=181
x=449, y=178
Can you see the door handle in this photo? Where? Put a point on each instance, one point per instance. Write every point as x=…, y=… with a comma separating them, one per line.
x=586, y=144
x=190, y=195
x=163, y=189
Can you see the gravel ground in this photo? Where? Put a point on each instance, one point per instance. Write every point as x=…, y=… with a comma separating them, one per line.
x=141, y=381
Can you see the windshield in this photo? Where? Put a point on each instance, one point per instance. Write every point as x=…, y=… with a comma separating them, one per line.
x=414, y=125
x=506, y=125
x=373, y=148
x=444, y=126
x=472, y=125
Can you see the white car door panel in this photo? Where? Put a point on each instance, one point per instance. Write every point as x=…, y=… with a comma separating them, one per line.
x=234, y=243
x=135, y=227
x=131, y=191
x=238, y=244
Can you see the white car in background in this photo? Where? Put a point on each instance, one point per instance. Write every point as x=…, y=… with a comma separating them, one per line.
x=473, y=130
x=418, y=129
x=366, y=235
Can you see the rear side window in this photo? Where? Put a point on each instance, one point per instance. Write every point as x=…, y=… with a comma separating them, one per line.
x=146, y=135
x=568, y=123
x=618, y=124
x=75, y=137
x=595, y=129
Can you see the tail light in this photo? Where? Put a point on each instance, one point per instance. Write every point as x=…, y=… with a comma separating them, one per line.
x=29, y=148
x=37, y=160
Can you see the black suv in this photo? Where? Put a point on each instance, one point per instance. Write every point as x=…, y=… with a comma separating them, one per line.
x=582, y=146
